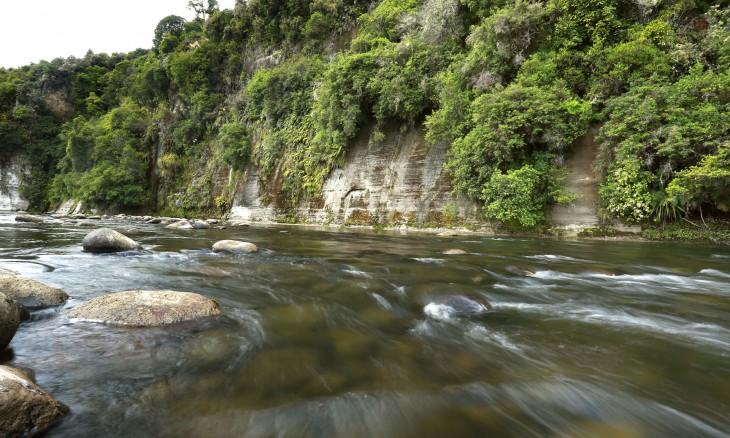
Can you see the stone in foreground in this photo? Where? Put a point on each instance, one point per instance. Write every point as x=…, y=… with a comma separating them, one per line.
x=32, y=293
x=10, y=316
x=25, y=409
x=146, y=308
x=108, y=240
x=234, y=246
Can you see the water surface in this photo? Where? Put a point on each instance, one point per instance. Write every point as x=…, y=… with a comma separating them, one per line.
x=340, y=333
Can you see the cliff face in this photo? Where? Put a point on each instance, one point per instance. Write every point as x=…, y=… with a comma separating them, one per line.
x=400, y=181
x=11, y=174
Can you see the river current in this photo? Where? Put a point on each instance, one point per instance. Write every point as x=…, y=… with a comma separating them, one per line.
x=340, y=333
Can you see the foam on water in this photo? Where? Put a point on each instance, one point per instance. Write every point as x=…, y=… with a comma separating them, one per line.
x=707, y=334
x=430, y=260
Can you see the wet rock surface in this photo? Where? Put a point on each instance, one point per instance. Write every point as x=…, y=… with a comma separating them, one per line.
x=146, y=308
x=234, y=246
x=31, y=293
x=29, y=218
x=10, y=316
x=108, y=240
x=25, y=409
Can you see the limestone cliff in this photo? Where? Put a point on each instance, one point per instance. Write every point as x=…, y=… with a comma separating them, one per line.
x=11, y=174
x=399, y=181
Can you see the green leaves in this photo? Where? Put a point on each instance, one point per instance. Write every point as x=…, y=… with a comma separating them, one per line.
x=508, y=127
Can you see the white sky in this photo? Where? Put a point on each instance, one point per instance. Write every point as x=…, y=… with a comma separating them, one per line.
x=35, y=30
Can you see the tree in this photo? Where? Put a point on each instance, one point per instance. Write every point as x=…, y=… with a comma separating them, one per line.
x=172, y=24
x=201, y=11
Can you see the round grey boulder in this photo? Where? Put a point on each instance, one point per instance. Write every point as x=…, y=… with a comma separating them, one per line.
x=31, y=293
x=234, y=246
x=108, y=240
x=146, y=308
x=25, y=409
x=10, y=315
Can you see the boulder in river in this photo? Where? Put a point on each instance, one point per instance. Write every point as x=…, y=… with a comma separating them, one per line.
x=200, y=225
x=108, y=240
x=10, y=315
x=31, y=293
x=146, y=308
x=183, y=224
x=456, y=305
x=455, y=251
x=29, y=218
x=520, y=272
x=25, y=409
x=86, y=223
x=235, y=246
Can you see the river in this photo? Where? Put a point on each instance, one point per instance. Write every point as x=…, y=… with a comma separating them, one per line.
x=338, y=333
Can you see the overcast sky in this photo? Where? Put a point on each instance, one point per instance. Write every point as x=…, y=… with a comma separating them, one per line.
x=35, y=30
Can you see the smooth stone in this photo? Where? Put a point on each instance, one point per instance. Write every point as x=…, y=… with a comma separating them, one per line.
x=154, y=220
x=29, y=218
x=25, y=409
x=180, y=225
x=10, y=316
x=31, y=293
x=234, y=246
x=455, y=252
x=146, y=308
x=86, y=223
x=200, y=225
x=108, y=240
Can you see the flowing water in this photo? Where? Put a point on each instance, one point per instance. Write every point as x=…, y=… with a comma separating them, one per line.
x=345, y=334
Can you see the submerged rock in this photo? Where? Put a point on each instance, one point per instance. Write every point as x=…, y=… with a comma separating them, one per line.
x=455, y=252
x=86, y=223
x=236, y=246
x=108, y=240
x=29, y=218
x=25, y=409
x=514, y=270
x=10, y=316
x=146, y=308
x=456, y=305
x=32, y=293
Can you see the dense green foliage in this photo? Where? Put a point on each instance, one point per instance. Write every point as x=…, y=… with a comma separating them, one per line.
x=288, y=85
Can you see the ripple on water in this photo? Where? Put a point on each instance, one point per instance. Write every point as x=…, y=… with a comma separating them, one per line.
x=553, y=407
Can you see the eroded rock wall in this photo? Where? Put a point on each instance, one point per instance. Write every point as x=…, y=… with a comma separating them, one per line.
x=399, y=181
x=11, y=175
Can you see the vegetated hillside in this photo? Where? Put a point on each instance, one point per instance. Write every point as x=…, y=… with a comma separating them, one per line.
x=507, y=85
